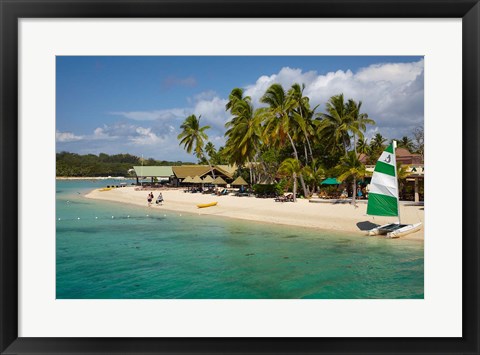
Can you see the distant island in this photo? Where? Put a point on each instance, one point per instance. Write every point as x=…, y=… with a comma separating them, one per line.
x=91, y=165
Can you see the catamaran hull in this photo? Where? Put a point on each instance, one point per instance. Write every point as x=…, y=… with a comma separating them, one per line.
x=392, y=230
x=411, y=228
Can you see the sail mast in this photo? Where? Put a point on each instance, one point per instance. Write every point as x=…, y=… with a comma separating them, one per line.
x=394, y=143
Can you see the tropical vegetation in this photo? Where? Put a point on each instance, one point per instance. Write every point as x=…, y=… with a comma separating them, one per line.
x=76, y=165
x=288, y=141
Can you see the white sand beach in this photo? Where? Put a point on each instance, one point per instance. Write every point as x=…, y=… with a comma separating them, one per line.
x=327, y=216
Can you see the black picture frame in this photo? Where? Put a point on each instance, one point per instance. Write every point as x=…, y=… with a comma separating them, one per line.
x=12, y=11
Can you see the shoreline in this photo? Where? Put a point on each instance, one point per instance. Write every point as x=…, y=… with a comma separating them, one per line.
x=93, y=178
x=323, y=216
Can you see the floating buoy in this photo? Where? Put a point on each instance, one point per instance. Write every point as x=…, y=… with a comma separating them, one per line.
x=180, y=215
x=128, y=216
x=78, y=217
x=96, y=217
x=113, y=217
x=164, y=215
x=59, y=219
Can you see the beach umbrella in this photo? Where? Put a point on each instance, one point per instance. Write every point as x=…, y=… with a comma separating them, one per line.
x=239, y=181
x=219, y=181
x=207, y=179
x=197, y=180
x=330, y=181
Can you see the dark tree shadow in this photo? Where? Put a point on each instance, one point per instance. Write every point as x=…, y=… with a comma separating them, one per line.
x=366, y=225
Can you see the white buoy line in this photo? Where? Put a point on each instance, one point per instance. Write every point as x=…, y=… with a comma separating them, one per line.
x=111, y=217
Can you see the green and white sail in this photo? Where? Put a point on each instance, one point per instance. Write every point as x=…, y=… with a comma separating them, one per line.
x=383, y=192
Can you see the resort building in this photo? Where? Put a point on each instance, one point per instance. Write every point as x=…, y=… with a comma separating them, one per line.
x=154, y=173
x=405, y=157
x=175, y=175
x=182, y=171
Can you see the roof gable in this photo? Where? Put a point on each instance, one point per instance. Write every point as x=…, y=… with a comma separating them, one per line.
x=165, y=171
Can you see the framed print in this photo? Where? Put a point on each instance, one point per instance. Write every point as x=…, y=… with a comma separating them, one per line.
x=206, y=176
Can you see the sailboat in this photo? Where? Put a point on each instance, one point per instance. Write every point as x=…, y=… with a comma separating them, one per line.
x=383, y=196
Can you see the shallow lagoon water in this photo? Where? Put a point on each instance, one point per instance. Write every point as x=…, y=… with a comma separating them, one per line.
x=144, y=253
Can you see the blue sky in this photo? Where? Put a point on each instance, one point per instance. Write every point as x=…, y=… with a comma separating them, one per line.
x=136, y=104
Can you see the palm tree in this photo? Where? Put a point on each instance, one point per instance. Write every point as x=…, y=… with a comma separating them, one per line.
x=210, y=150
x=193, y=137
x=291, y=167
x=378, y=142
x=302, y=114
x=336, y=124
x=377, y=146
x=235, y=95
x=360, y=121
x=406, y=143
x=280, y=123
x=402, y=174
x=362, y=146
x=351, y=167
x=243, y=132
x=314, y=174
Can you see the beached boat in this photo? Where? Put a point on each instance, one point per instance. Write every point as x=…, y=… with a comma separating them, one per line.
x=383, y=196
x=106, y=189
x=203, y=205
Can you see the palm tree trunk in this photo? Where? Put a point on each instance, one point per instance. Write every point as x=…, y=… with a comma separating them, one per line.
x=294, y=187
x=309, y=147
x=250, y=168
x=306, y=154
x=354, y=202
x=305, y=191
x=211, y=167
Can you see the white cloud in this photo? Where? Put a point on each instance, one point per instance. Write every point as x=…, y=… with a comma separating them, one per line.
x=213, y=113
x=207, y=104
x=67, y=137
x=145, y=136
x=392, y=95
x=169, y=114
x=391, y=72
x=205, y=95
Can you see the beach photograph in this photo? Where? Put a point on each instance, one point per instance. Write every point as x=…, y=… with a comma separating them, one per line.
x=239, y=177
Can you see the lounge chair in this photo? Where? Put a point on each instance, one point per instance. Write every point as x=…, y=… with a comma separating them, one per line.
x=284, y=198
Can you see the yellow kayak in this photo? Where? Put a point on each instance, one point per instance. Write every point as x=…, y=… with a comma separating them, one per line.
x=203, y=205
x=106, y=189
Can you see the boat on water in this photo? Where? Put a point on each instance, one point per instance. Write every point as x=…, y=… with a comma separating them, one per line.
x=383, y=197
x=203, y=205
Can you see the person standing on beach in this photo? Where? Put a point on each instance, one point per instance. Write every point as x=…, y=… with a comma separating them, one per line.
x=159, y=199
x=150, y=198
x=359, y=191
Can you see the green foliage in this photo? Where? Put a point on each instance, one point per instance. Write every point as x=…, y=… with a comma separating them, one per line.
x=75, y=165
x=286, y=130
x=267, y=190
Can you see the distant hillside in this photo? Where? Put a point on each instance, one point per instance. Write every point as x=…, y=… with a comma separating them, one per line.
x=72, y=164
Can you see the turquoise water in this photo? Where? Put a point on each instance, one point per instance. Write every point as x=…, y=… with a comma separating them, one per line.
x=167, y=255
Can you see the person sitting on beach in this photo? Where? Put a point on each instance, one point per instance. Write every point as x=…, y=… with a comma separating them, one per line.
x=159, y=199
